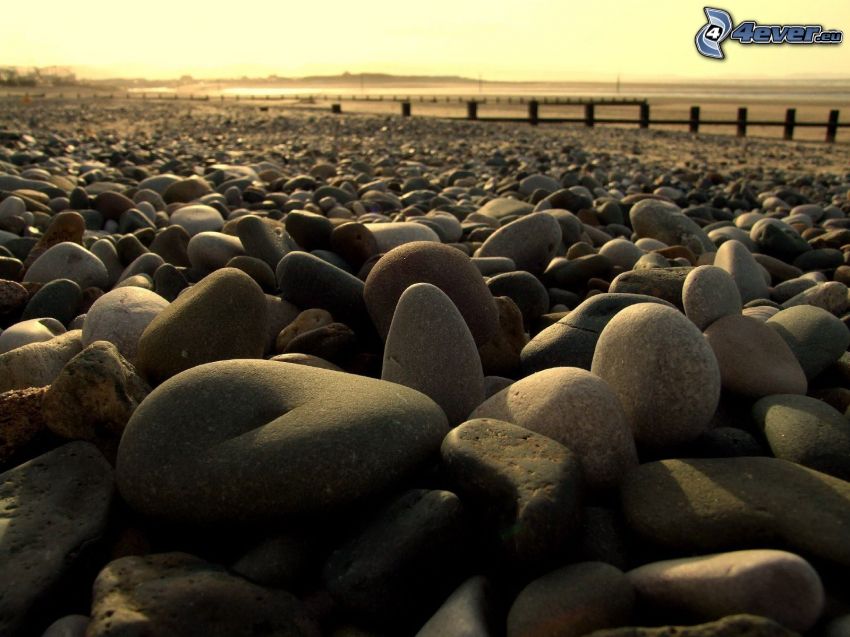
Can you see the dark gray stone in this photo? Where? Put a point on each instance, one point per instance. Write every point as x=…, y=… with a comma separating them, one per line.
x=807, y=431
x=571, y=341
x=298, y=439
x=406, y=558
x=53, y=506
x=715, y=504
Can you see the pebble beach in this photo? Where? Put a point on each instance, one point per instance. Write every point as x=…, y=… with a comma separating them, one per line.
x=274, y=371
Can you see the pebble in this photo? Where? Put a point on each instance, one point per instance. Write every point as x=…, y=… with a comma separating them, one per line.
x=150, y=593
x=404, y=560
x=754, y=360
x=468, y=612
x=578, y=410
x=729, y=503
x=571, y=341
x=54, y=505
x=816, y=337
x=441, y=266
x=662, y=283
x=35, y=330
x=197, y=218
x=392, y=235
x=831, y=296
x=528, y=488
x=708, y=294
x=807, y=431
x=68, y=261
x=530, y=242
x=308, y=282
x=775, y=584
x=94, y=396
x=525, y=290
x=37, y=364
x=572, y=601
x=60, y=299
x=500, y=355
x=429, y=348
x=313, y=432
x=662, y=370
x=664, y=221
x=734, y=257
x=64, y=227
x=222, y=317
x=209, y=251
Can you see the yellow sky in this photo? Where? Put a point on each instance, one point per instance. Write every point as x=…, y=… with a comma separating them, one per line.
x=499, y=39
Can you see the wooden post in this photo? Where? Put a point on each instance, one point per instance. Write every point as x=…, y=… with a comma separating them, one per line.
x=832, y=127
x=644, y=115
x=790, y=119
x=742, y=122
x=405, y=109
x=336, y=108
x=472, y=110
x=533, y=108
x=693, y=123
x=589, y=114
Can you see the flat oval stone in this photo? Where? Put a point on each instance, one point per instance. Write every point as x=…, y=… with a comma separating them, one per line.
x=775, y=584
x=120, y=316
x=572, y=340
x=710, y=293
x=662, y=283
x=578, y=410
x=308, y=282
x=222, y=317
x=816, y=337
x=528, y=485
x=298, y=440
x=807, y=431
x=69, y=261
x=198, y=218
x=392, y=235
x=505, y=207
x=754, y=361
x=429, y=348
x=665, y=222
x=530, y=242
x=441, y=266
x=572, y=601
x=729, y=503
x=209, y=251
x=622, y=252
x=185, y=190
x=832, y=296
x=748, y=275
x=53, y=506
x=663, y=371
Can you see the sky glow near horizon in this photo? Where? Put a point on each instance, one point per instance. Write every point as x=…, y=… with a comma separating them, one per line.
x=520, y=40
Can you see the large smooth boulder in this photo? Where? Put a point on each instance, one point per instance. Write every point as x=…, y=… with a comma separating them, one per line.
x=297, y=439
